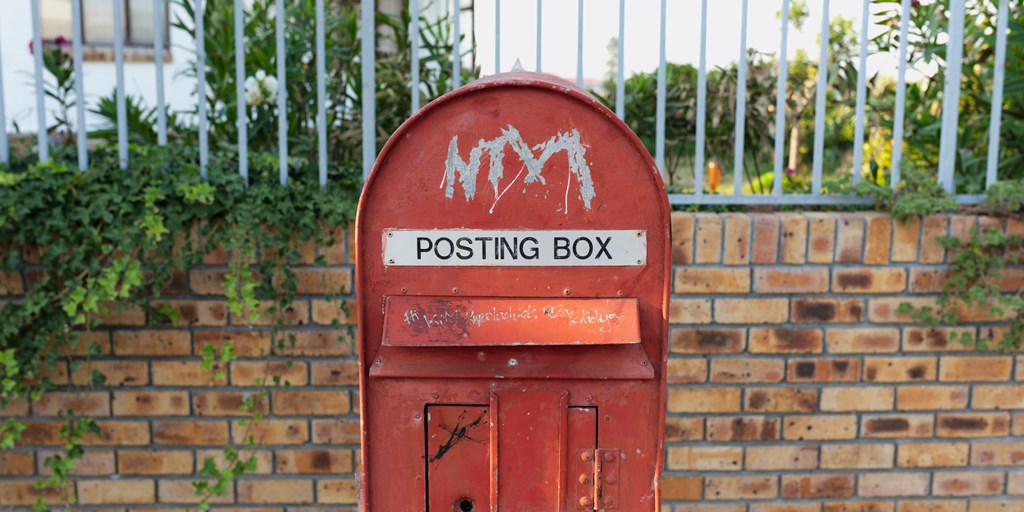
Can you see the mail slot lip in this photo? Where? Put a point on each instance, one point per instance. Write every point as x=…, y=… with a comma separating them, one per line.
x=437, y=321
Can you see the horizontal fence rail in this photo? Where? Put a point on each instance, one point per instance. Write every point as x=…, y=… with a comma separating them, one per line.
x=945, y=172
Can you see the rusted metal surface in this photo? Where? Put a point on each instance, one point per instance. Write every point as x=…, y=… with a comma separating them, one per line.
x=485, y=321
x=516, y=153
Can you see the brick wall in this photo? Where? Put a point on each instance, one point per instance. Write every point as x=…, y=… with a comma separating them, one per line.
x=793, y=383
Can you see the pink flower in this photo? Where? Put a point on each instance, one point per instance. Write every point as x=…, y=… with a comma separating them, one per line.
x=62, y=41
x=790, y=171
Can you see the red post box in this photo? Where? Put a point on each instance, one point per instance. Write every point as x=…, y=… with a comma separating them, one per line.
x=513, y=278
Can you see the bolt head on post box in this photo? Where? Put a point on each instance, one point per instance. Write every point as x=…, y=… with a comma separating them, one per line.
x=512, y=281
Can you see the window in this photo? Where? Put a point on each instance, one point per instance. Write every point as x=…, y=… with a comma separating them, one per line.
x=98, y=21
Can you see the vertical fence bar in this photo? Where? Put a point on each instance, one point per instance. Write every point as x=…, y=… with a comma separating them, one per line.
x=497, y=36
x=540, y=33
x=819, y=102
x=780, y=102
x=579, y=46
x=241, y=110
x=998, y=72
x=659, y=121
x=158, y=60
x=741, y=107
x=5, y=152
x=321, y=93
x=37, y=53
x=620, y=76
x=82, y=134
x=414, y=36
x=901, y=95
x=369, y=88
x=457, y=44
x=204, y=138
x=122, y=107
x=862, y=74
x=951, y=96
x=702, y=102
x=282, y=98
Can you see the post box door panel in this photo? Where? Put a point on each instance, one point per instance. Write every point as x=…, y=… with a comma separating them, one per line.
x=457, y=457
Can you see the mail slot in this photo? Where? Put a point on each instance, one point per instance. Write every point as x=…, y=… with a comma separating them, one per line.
x=512, y=280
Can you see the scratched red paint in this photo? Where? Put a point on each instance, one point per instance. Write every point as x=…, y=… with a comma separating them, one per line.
x=548, y=158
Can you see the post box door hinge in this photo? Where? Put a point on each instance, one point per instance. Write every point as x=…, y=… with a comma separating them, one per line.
x=597, y=479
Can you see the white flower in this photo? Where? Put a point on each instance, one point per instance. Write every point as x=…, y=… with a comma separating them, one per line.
x=253, y=97
x=307, y=57
x=270, y=84
x=260, y=75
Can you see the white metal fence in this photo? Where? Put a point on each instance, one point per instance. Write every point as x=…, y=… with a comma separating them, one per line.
x=949, y=125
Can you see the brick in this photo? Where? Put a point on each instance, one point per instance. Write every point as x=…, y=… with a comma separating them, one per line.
x=863, y=340
x=936, y=339
x=264, y=459
x=109, y=492
x=967, y=484
x=712, y=280
x=1020, y=368
x=321, y=461
x=226, y=403
x=998, y=397
x=821, y=237
x=892, y=484
x=928, y=280
x=195, y=312
x=689, y=311
x=897, y=426
x=190, y=432
x=681, y=487
x=707, y=507
x=932, y=455
x=346, y=431
x=905, y=239
x=793, y=247
x=818, y=310
x=17, y=464
x=782, y=457
x=975, y=368
x=878, y=240
x=766, y=238
x=961, y=226
x=207, y=281
x=885, y=310
x=1015, y=482
x=747, y=370
x=899, y=369
x=687, y=371
x=819, y=427
x=860, y=398
x=87, y=403
x=751, y=311
x=708, y=341
x=997, y=505
x=337, y=491
x=946, y=505
x=150, y=403
x=781, y=399
x=15, y=407
x=334, y=373
x=736, y=244
x=152, y=343
x=251, y=373
x=319, y=343
x=740, y=487
x=92, y=463
x=289, y=491
x=857, y=456
x=120, y=314
x=858, y=506
x=786, y=341
x=676, y=429
x=333, y=312
x=682, y=238
x=869, y=280
x=972, y=425
x=22, y=492
x=743, y=428
x=186, y=373
x=269, y=313
x=271, y=431
x=90, y=343
x=997, y=454
x=850, y=239
x=791, y=280
x=154, y=462
x=817, y=486
x=925, y=398
x=325, y=281
x=249, y=343
x=824, y=370
x=317, y=403
x=708, y=239
x=11, y=284
x=697, y=400
x=332, y=249
x=705, y=458
x=933, y=227
x=116, y=373
x=182, y=492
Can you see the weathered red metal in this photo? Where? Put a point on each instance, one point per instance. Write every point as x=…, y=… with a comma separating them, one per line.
x=545, y=197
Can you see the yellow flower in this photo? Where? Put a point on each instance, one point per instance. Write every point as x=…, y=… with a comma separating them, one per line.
x=714, y=175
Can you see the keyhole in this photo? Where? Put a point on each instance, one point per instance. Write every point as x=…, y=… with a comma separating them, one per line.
x=466, y=505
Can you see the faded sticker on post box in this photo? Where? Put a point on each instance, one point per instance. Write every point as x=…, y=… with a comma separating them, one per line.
x=514, y=248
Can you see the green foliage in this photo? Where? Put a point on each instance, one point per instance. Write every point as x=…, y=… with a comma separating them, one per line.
x=917, y=194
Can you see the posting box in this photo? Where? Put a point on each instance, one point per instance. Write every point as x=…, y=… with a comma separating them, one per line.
x=512, y=282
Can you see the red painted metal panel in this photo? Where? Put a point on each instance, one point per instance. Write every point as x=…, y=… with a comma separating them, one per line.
x=580, y=450
x=488, y=321
x=458, y=449
x=528, y=436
